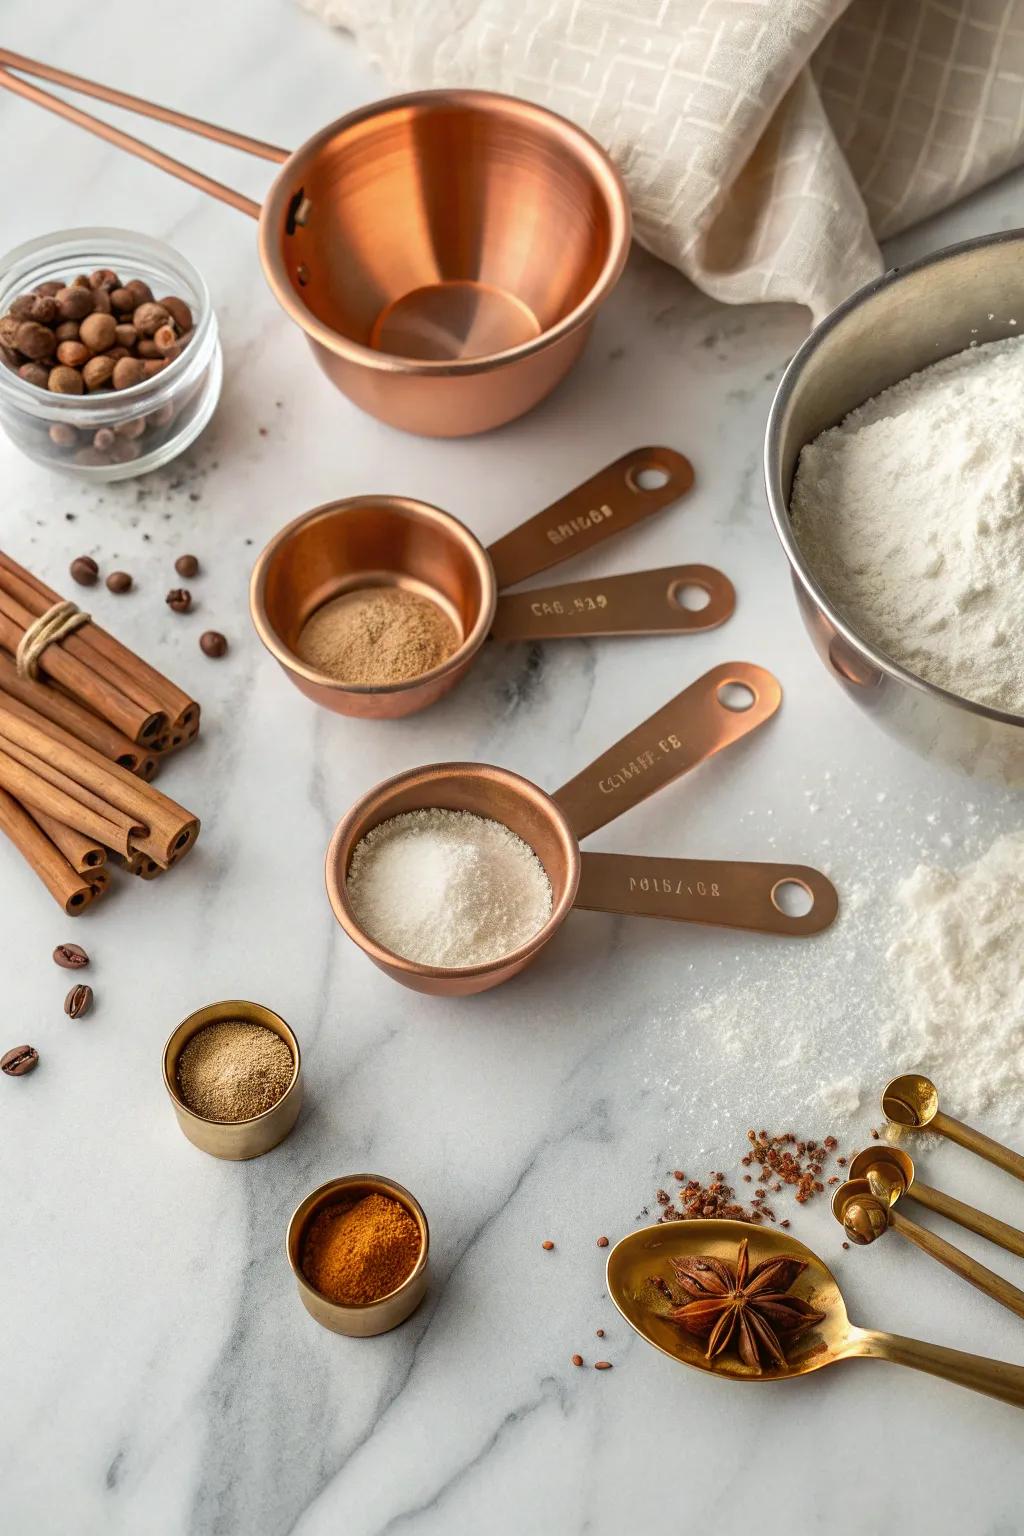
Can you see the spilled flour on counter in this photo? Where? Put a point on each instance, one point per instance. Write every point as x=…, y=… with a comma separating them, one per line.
x=911, y=515
x=959, y=964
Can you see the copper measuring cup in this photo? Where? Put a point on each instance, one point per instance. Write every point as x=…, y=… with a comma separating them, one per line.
x=693, y=726
x=392, y=540
x=444, y=252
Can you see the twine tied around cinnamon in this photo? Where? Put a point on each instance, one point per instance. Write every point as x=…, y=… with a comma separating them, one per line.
x=59, y=621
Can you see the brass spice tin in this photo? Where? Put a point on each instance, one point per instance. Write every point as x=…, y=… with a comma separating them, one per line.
x=369, y=1318
x=234, y=1139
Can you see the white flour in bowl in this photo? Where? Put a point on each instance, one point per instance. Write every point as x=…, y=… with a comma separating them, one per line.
x=911, y=516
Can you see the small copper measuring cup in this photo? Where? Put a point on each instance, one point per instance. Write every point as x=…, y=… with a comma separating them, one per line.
x=391, y=540
x=444, y=252
x=693, y=726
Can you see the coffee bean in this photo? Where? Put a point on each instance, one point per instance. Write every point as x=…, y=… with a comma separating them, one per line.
x=84, y=570
x=78, y=1001
x=70, y=956
x=212, y=643
x=187, y=566
x=24, y=1058
x=179, y=600
x=119, y=581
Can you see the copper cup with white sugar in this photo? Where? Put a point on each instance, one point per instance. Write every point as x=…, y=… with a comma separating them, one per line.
x=233, y=1073
x=453, y=877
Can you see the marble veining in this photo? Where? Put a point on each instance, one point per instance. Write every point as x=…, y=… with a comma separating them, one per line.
x=159, y=1374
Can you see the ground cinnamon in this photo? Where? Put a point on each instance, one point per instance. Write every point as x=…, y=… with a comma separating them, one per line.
x=377, y=636
x=358, y=1253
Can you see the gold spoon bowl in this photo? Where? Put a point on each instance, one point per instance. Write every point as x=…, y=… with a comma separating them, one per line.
x=637, y=1261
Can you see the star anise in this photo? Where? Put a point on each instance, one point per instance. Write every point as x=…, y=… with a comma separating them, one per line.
x=747, y=1305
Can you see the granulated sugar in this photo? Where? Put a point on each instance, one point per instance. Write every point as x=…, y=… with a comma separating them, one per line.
x=959, y=960
x=911, y=515
x=448, y=888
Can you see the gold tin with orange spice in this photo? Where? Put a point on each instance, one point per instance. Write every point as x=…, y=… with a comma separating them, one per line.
x=366, y=1319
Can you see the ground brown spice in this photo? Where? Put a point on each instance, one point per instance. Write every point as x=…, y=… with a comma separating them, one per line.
x=781, y=1160
x=377, y=635
x=234, y=1070
x=355, y=1253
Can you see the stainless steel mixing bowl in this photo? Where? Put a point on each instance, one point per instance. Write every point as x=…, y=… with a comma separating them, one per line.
x=904, y=320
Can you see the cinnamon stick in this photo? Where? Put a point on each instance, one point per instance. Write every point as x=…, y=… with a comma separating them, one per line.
x=46, y=703
x=74, y=892
x=82, y=853
x=83, y=684
x=105, y=655
x=41, y=787
x=156, y=824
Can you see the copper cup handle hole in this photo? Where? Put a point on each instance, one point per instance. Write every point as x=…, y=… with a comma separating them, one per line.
x=793, y=898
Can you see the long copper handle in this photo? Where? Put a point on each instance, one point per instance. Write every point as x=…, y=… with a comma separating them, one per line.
x=959, y=1262
x=976, y=1141
x=614, y=499
x=1010, y=1238
x=642, y=603
x=127, y=141
x=693, y=726
x=995, y=1378
x=722, y=893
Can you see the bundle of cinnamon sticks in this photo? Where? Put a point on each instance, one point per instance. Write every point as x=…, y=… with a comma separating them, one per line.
x=84, y=723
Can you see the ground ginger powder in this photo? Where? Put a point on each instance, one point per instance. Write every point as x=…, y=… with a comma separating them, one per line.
x=376, y=636
x=353, y=1254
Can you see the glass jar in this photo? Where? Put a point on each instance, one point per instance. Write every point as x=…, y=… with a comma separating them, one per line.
x=153, y=421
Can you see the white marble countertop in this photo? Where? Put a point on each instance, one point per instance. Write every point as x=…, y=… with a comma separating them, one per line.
x=159, y=1374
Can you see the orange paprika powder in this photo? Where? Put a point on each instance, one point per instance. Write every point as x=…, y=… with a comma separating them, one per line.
x=353, y=1254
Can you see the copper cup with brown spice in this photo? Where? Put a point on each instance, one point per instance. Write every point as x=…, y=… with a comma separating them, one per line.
x=365, y=1319
x=235, y=1140
x=392, y=541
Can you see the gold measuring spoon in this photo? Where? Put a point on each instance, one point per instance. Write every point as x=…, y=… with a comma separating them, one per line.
x=890, y=1173
x=913, y=1100
x=643, y=1257
x=864, y=1216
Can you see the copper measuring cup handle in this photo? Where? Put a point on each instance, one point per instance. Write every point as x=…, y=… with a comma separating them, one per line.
x=642, y=603
x=688, y=729
x=608, y=503
x=977, y=1141
x=122, y=140
x=723, y=893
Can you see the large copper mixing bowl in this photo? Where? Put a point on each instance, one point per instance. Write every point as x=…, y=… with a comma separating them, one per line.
x=911, y=317
x=444, y=252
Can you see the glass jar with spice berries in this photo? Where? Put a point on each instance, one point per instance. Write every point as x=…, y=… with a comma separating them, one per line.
x=358, y=1247
x=105, y=428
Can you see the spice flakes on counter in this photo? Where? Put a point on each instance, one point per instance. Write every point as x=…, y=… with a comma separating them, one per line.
x=784, y=1161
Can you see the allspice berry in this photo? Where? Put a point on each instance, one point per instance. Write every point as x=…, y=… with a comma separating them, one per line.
x=179, y=600
x=34, y=373
x=73, y=354
x=84, y=570
x=119, y=581
x=187, y=566
x=66, y=331
x=122, y=301
x=148, y=318
x=128, y=371
x=178, y=311
x=98, y=332
x=212, y=643
x=34, y=340
x=125, y=335
x=103, y=439
x=75, y=303
x=104, y=278
x=65, y=381
x=98, y=372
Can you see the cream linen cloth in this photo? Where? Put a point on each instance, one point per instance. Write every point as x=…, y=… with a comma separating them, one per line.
x=768, y=145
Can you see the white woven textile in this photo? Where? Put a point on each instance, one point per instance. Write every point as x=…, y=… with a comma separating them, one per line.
x=767, y=144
